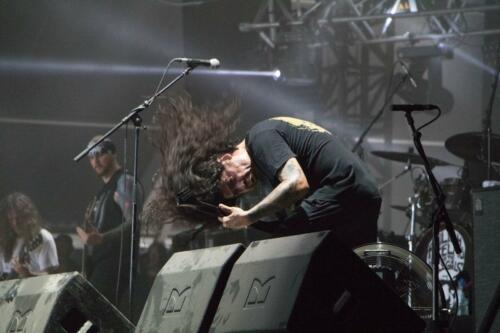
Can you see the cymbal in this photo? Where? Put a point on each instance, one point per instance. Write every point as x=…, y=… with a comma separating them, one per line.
x=404, y=157
x=468, y=146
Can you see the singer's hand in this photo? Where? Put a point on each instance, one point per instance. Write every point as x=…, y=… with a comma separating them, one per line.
x=235, y=217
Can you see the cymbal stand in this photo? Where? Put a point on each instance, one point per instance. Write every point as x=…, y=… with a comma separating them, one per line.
x=406, y=169
x=413, y=200
x=414, y=203
x=413, y=206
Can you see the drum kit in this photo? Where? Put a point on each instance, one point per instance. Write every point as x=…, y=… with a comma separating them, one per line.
x=409, y=271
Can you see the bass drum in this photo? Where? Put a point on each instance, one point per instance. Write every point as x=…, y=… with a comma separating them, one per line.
x=460, y=266
x=404, y=272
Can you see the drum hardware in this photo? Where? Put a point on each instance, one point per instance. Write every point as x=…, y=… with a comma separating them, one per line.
x=419, y=187
x=481, y=156
x=419, y=202
x=407, y=209
x=423, y=202
x=406, y=169
x=411, y=235
x=459, y=265
x=470, y=146
x=408, y=276
x=408, y=157
x=399, y=207
x=457, y=194
x=456, y=190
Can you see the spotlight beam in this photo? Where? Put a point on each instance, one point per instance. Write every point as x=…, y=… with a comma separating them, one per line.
x=57, y=67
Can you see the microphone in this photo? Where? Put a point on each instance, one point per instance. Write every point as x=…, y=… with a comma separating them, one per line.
x=407, y=72
x=413, y=107
x=212, y=63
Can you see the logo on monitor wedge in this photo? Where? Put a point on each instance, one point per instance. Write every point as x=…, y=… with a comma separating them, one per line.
x=258, y=292
x=18, y=321
x=176, y=301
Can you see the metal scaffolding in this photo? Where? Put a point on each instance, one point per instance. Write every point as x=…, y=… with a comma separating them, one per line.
x=346, y=47
x=364, y=17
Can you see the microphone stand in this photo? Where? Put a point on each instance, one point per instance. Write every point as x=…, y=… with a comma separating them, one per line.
x=440, y=215
x=136, y=119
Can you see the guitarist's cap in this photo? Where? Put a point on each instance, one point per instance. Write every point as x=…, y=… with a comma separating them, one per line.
x=106, y=146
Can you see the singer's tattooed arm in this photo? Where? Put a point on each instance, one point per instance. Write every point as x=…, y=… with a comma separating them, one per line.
x=293, y=186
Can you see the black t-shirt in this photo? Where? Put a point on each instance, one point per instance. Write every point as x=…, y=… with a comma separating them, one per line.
x=326, y=163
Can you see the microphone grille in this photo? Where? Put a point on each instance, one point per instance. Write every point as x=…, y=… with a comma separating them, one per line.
x=214, y=63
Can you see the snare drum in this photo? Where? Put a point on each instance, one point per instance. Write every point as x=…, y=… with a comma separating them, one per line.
x=460, y=266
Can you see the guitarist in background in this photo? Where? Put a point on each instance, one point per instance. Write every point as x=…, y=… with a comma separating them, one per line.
x=108, y=225
x=26, y=249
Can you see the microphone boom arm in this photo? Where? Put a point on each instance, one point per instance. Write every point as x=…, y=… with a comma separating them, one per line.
x=133, y=114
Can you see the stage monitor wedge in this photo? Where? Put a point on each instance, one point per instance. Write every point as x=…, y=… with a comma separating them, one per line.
x=309, y=283
x=187, y=290
x=64, y=303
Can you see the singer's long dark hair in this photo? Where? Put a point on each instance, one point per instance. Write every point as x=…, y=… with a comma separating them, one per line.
x=189, y=138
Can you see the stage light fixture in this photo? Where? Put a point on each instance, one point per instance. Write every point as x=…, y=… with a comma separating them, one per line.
x=399, y=6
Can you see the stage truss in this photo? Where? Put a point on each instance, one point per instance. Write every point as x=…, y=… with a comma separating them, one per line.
x=346, y=48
